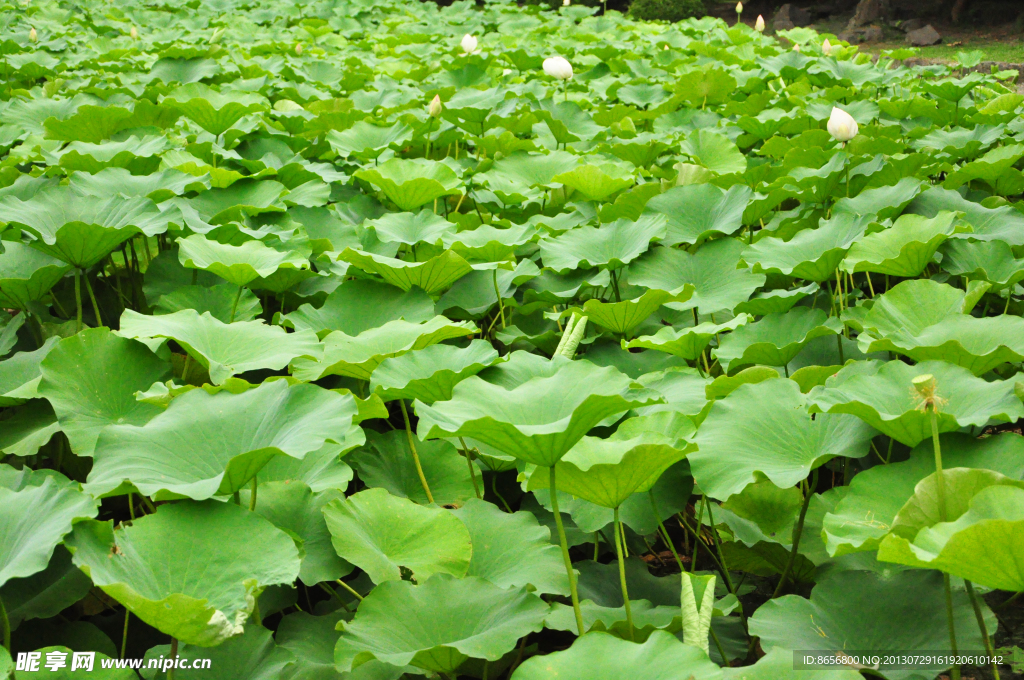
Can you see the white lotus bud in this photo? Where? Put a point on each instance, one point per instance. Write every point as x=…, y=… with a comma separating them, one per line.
x=796, y=47
x=759, y=24
x=565, y=3
x=558, y=67
x=468, y=43
x=826, y=48
x=298, y=48
x=739, y=8
x=32, y=35
x=841, y=125
x=434, y=108
x=134, y=33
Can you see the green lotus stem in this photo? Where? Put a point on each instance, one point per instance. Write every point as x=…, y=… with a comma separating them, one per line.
x=553, y=488
x=174, y=656
x=124, y=633
x=721, y=649
x=615, y=285
x=237, y=498
x=415, y=456
x=501, y=303
x=256, y=611
x=234, y=305
x=940, y=480
x=839, y=342
x=597, y=545
x=78, y=298
x=1010, y=600
x=664, y=532
x=797, y=531
x=350, y=589
x=6, y=625
x=92, y=298
x=252, y=496
x=722, y=565
x=951, y=624
x=622, y=572
x=979, y=615
x=472, y=468
x=696, y=534
x=131, y=506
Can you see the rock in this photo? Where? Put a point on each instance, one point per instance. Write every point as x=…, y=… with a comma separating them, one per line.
x=868, y=11
x=867, y=34
x=911, y=25
x=788, y=16
x=923, y=37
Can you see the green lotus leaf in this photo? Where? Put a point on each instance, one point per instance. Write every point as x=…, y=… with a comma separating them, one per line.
x=905, y=248
x=866, y=513
x=776, y=301
x=596, y=182
x=212, y=110
x=358, y=356
x=26, y=275
x=81, y=231
x=36, y=518
x=224, y=556
x=883, y=612
x=359, y=305
x=386, y=462
x=381, y=533
x=611, y=246
x=698, y=211
x=886, y=202
x=775, y=339
x=987, y=224
x=991, y=261
x=239, y=201
x=539, y=420
x=512, y=550
x=27, y=428
x=225, y=349
x=927, y=320
x=687, y=342
x=156, y=186
x=136, y=154
x=20, y=375
x=517, y=177
x=91, y=379
x=878, y=393
x=432, y=276
x=989, y=168
x=46, y=593
x=979, y=542
x=252, y=655
x=626, y=316
x=367, y=140
x=812, y=254
x=765, y=427
x=713, y=270
x=411, y=228
x=714, y=151
x=411, y=183
x=647, y=619
x=602, y=656
x=241, y=264
x=431, y=373
x=312, y=639
x=212, y=444
x=487, y=243
x=778, y=665
x=320, y=470
x=218, y=300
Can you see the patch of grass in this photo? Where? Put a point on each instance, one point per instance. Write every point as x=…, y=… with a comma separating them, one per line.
x=995, y=50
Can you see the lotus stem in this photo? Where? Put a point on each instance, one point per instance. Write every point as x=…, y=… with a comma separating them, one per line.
x=664, y=532
x=494, y=488
x=501, y=303
x=553, y=488
x=124, y=633
x=696, y=533
x=174, y=657
x=252, y=496
x=1010, y=600
x=980, y=616
x=350, y=589
x=472, y=468
x=951, y=624
x=78, y=298
x=797, y=531
x=724, y=567
x=622, y=574
x=92, y=298
x=721, y=649
x=415, y=456
x=234, y=305
x=256, y=611
x=131, y=506
x=6, y=623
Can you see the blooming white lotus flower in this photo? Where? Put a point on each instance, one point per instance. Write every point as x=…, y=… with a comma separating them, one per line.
x=826, y=48
x=841, y=125
x=434, y=108
x=134, y=33
x=759, y=24
x=558, y=67
x=32, y=35
x=468, y=43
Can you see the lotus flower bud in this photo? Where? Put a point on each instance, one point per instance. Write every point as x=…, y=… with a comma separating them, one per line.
x=739, y=8
x=558, y=67
x=32, y=35
x=134, y=33
x=796, y=47
x=826, y=48
x=434, y=108
x=468, y=44
x=841, y=125
x=759, y=24
x=298, y=48
x=565, y=3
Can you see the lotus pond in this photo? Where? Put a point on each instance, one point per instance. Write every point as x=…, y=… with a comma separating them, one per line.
x=336, y=344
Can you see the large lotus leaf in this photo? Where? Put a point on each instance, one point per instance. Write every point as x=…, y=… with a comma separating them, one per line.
x=983, y=544
x=218, y=300
x=381, y=533
x=139, y=155
x=252, y=655
x=208, y=444
x=719, y=282
x=991, y=261
x=431, y=373
x=714, y=151
x=444, y=622
x=411, y=228
x=515, y=178
x=687, y=342
x=812, y=254
x=81, y=231
x=776, y=300
x=765, y=427
x=20, y=374
x=238, y=201
x=26, y=275
x=925, y=320
x=775, y=339
x=312, y=638
x=696, y=212
x=320, y=470
x=989, y=168
x=411, y=183
x=359, y=305
x=386, y=462
x=596, y=182
x=866, y=512
x=35, y=519
x=624, y=317
x=48, y=592
x=27, y=428
x=881, y=203
x=432, y=276
x=1003, y=223
x=241, y=264
x=212, y=110
x=905, y=248
x=881, y=394
x=91, y=379
x=778, y=665
x=225, y=349
x=512, y=550
x=539, y=420
x=611, y=246
x=366, y=140
x=358, y=356
x=222, y=556
x=488, y=243
x=603, y=656
x=157, y=186
x=887, y=611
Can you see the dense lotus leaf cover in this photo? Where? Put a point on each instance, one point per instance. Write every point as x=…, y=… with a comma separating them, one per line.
x=361, y=339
